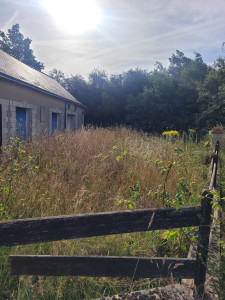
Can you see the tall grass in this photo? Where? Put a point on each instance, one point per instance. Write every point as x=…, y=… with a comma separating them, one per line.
x=96, y=170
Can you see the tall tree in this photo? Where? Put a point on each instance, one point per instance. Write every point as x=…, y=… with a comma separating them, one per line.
x=17, y=46
x=177, y=62
x=58, y=75
x=169, y=100
x=211, y=97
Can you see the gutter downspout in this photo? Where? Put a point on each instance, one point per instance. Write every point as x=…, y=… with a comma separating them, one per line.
x=65, y=114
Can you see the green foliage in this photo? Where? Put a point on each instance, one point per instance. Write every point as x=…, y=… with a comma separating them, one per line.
x=211, y=97
x=119, y=169
x=18, y=162
x=150, y=101
x=14, y=44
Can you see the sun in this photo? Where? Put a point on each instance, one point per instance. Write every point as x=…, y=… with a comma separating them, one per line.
x=74, y=16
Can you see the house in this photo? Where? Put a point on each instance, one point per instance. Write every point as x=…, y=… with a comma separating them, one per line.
x=32, y=103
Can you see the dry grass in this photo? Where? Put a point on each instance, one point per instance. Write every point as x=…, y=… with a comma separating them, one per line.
x=95, y=170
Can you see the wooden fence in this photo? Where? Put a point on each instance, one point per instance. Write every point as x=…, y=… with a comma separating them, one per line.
x=28, y=231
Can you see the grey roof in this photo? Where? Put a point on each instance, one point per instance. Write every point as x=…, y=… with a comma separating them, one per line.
x=15, y=70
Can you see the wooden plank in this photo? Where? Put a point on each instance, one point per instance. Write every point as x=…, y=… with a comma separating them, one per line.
x=203, y=242
x=28, y=231
x=102, y=266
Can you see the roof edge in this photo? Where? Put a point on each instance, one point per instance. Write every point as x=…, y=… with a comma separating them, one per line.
x=39, y=89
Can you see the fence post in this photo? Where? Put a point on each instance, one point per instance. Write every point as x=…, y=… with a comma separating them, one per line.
x=215, y=160
x=203, y=242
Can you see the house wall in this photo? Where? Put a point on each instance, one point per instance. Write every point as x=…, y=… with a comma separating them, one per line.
x=39, y=108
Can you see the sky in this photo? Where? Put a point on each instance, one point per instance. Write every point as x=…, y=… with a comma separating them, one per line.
x=116, y=35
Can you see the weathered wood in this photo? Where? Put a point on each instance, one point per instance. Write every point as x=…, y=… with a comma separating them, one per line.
x=214, y=166
x=203, y=242
x=217, y=147
x=213, y=177
x=28, y=231
x=102, y=266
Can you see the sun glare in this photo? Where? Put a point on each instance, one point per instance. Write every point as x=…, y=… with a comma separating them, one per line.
x=74, y=16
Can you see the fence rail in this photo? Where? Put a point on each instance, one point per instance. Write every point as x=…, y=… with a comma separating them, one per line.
x=102, y=266
x=27, y=231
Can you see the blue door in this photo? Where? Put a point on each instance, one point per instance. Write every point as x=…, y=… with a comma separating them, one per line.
x=21, y=119
x=54, y=122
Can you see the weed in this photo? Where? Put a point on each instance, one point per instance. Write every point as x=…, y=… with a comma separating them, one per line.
x=96, y=170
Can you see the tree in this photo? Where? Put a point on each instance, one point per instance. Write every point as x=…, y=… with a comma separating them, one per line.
x=155, y=109
x=169, y=99
x=134, y=81
x=57, y=75
x=211, y=97
x=177, y=62
x=15, y=45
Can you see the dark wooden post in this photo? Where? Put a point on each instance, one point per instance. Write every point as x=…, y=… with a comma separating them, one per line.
x=203, y=242
x=215, y=161
x=217, y=146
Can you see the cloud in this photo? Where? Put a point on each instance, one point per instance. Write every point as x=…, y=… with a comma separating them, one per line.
x=133, y=33
x=10, y=21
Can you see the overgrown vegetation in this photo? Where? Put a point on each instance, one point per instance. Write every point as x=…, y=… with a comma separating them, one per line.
x=97, y=170
x=222, y=224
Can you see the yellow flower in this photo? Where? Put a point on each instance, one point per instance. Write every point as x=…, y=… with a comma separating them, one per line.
x=170, y=133
x=191, y=130
x=36, y=167
x=30, y=157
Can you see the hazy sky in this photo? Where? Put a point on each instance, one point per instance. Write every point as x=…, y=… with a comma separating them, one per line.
x=127, y=34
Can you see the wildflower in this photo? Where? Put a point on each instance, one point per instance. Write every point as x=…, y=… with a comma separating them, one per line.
x=22, y=199
x=23, y=151
x=191, y=130
x=2, y=180
x=36, y=167
x=29, y=157
x=171, y=133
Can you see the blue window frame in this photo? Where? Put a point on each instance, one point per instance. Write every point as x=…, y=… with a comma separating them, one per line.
x=21, y=120
x=54, y=122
